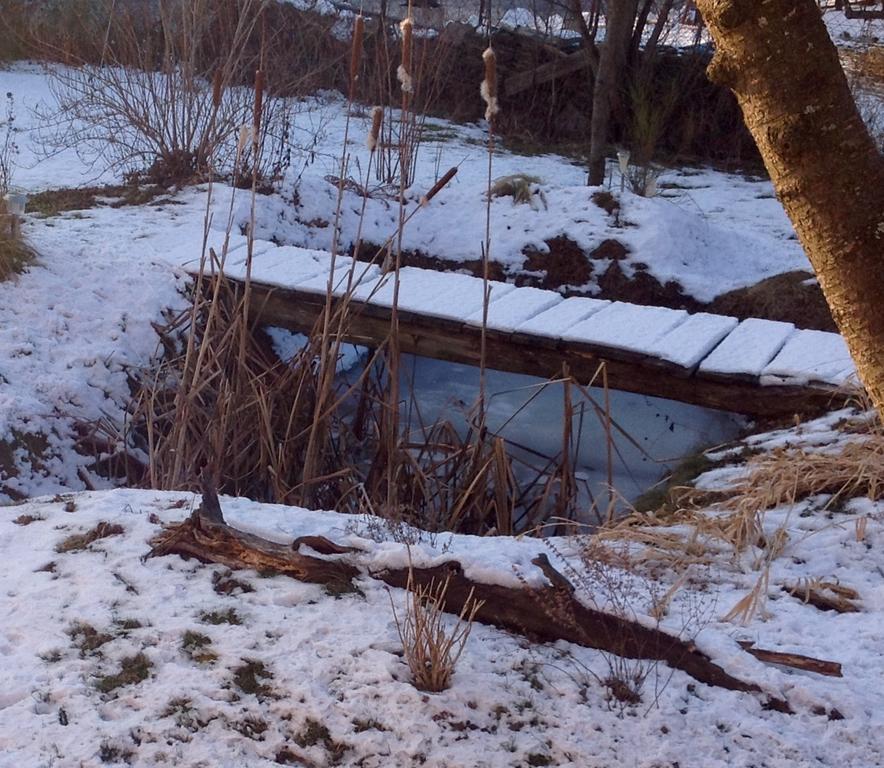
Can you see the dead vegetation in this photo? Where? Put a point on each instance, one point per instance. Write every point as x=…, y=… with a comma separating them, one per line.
x=15, y=254
x=432, y=648
x=81, y=541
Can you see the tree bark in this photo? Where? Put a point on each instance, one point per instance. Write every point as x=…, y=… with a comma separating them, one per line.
x=608, y=82
x=777, y=57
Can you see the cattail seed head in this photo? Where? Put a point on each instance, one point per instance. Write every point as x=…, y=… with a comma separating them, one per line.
x=403, y=74
x=259, y=100
x=439, y=185
x=377, y=118
x=356, y=52
x=488, y=89
x=245, y=133
x=217, y=88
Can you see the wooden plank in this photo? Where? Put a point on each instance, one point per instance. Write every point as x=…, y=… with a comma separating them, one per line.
x=812, y=356
x=521, y=353
x=517, y=307
x=691, y=341
x=434, y=294
x=626, y=329
x=747, y=350
x=559, y=319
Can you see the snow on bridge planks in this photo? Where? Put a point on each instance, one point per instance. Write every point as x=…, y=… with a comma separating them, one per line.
x=756, y=367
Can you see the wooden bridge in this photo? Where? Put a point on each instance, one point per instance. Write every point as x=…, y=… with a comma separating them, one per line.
x=754, y=367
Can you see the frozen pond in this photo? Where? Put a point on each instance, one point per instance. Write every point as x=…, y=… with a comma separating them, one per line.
x=650, y=437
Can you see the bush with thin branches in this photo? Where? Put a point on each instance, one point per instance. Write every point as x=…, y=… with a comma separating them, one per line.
x=161, y=99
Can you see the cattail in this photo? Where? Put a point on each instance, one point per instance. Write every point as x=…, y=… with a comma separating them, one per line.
x=245, y=133
x=437, y=187
x=259, y=100
x=356, y=53
x=377, y=118
x=489, y=84
x=403, y=74
x=217, y=86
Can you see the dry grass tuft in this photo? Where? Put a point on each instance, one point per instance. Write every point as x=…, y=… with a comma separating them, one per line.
x=431, y=648
x=15, y=255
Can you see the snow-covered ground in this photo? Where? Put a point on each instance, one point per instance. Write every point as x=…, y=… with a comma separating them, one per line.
x=249, y=670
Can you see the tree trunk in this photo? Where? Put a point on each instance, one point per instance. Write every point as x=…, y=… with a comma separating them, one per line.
x=778, y=59
x=608, y=82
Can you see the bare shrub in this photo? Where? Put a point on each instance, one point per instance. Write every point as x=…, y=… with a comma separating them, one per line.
x=431, y=648
x=158, y=101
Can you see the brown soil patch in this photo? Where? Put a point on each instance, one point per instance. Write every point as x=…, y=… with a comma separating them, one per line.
x=610, y=249
x=788, y=297
x=53, y=202
x=644, y=288
x=565, y=264
x=368, y=252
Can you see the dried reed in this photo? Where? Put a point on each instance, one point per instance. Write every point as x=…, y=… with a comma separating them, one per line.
x=431, y=648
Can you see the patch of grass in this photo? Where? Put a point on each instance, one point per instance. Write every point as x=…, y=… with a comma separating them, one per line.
x=27, y=519
x=248, y=676
x=87, y=638
x=250, y=727
x=54, y=202
x=21, y=448
x=660, y=498
x=360, y=725
x=196, y=647
x=127, y=625
x=286, y=756
x=230, y=616
x=80, y=541
x=52, y=657
x=606, y=201
x=15, y=254
x=519, y=186
x=226, y=584
x=181, y=708
x=114, y=753
x=337, y=588
x=435, y=132
x=133, y=670
x=314, y=733
x=538, y=759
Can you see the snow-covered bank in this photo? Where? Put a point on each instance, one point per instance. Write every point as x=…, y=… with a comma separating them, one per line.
x=244, y=670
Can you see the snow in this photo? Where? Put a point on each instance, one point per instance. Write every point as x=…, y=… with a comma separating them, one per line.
x=336, y=660
x=812, y=356
x=75, y=325
x=749, y=348
x=557, y=321
x=516, y=308
x=628, y=327
x=437, y=294
x=687, y=344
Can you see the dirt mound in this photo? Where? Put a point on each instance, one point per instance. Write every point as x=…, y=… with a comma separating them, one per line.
x=564, y=265
x=793, y=297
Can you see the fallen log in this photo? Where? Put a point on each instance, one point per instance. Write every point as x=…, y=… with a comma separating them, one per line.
x=794, y=660
x=546, y=613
